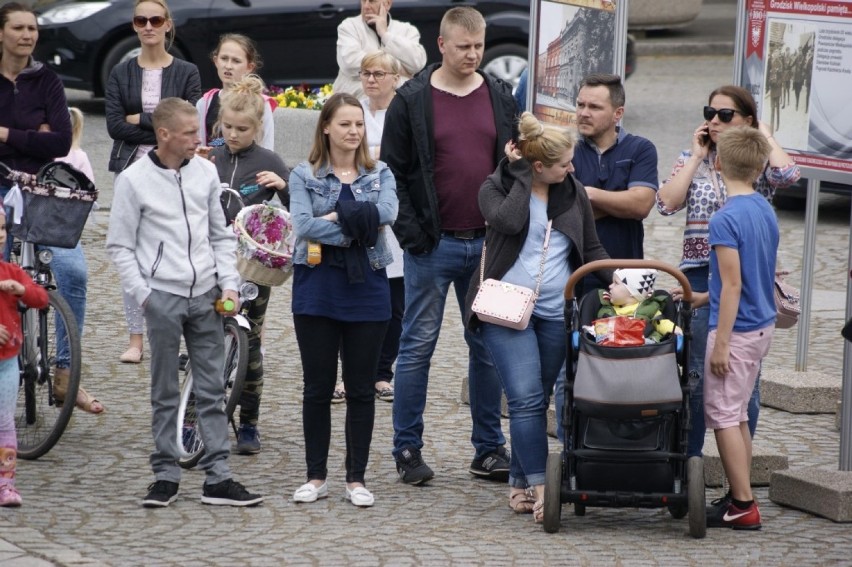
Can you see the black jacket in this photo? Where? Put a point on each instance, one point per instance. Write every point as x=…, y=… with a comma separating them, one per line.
x=408, y=147
x=504, y=200
x=124, y=96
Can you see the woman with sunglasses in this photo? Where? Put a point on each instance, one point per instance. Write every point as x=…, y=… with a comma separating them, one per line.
x=134, y=89
x=695, y=183
x=35, y=128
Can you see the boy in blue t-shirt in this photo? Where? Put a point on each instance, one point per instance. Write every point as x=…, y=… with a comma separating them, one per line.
x=744, y=244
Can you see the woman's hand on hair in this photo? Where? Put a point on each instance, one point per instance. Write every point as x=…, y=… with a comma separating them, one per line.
x=512, y=152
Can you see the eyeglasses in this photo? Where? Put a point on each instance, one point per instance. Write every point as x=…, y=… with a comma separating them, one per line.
x=378, y=75
x=725, y=114
x=142, y=21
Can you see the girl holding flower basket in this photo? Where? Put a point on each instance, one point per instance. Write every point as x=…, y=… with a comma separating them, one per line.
x=341, y=201
x=258, y=174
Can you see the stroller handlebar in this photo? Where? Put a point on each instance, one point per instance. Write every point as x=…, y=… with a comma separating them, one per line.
x=587, y=269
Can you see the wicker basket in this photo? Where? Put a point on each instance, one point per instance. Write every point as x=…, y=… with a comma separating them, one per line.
x=252, y=269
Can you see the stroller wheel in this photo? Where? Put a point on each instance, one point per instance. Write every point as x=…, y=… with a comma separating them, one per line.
x=553, y=493
x=697, y=501
x=678, y=511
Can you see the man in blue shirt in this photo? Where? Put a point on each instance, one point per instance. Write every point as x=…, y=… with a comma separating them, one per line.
x=618, y=169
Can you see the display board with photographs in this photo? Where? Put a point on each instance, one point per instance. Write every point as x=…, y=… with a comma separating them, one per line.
x=797, y=63
x=572, y=39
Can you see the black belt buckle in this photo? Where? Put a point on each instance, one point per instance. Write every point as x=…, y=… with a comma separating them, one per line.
x=465, y=234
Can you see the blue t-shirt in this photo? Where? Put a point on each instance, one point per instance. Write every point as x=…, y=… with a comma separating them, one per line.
x=551, y=297
x=325, y=291
x=747, y=224
x=630, y=162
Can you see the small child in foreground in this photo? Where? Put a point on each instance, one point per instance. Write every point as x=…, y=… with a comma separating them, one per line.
x=15, y=285
x=744, y=244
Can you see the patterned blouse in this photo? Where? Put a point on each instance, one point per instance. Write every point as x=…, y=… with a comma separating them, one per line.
x=706, y=195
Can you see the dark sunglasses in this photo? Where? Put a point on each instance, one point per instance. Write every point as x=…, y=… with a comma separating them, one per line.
x=142, y=21
x=725, y=114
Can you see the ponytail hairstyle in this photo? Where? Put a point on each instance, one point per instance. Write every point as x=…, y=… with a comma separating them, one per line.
x=76, y=125
x=245, y=97
x=543, y=142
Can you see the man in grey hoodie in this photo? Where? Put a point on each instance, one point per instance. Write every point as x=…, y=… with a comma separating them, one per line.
x=175, y=256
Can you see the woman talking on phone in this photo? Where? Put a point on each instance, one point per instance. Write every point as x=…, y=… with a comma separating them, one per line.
x=695, y=183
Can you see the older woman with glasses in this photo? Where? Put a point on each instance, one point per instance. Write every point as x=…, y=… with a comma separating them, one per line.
x=134, y=88
x=695, y=183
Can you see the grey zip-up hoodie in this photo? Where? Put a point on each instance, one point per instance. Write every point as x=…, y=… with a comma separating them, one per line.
x=167, y=230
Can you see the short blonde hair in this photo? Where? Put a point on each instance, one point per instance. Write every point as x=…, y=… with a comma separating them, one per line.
x=743, y=151
x=163, y=116
x=465, y=17
x=382, y=58
x=543, y=142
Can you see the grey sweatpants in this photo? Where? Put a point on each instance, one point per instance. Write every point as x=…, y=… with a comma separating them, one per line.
x=169, y=317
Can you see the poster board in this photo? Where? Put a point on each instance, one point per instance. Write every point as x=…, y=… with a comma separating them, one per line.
x=570, y=39
x=795, y=57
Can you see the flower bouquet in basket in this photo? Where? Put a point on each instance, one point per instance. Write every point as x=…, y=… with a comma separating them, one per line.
x=264, y=244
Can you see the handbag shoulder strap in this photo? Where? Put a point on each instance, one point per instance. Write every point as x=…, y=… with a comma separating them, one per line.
x=540, y=268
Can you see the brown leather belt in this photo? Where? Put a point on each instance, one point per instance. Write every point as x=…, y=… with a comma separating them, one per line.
x=465, y=234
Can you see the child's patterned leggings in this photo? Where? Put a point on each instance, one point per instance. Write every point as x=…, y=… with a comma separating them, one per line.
x=9, y=379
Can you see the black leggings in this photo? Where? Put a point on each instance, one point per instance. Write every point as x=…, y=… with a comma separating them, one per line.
x=320, y=341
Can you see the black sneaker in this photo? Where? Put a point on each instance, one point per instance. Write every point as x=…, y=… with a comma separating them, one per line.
x=248, y=440
x=412, y=469
x=229, y=493
x=492, y=466
x=160, y=494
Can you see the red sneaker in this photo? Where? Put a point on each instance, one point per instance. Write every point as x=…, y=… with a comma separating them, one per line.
x=732, y=517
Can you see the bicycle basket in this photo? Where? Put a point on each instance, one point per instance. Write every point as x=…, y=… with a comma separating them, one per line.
x=264, y=244
x=56, y=204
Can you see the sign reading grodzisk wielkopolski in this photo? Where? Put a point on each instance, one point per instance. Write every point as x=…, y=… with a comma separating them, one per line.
x=797, y=63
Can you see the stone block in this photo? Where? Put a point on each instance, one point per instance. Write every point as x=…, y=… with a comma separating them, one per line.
x=465, y=398
x=799, y=392
x=294, y=133
x=821, y=491
x=661, y=14
x=766, y=459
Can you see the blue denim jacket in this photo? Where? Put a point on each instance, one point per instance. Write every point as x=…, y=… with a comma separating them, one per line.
x=314, y=195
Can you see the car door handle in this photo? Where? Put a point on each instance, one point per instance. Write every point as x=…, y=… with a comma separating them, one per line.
x=328, y=11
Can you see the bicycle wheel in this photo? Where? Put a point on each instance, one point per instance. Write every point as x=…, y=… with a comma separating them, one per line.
x=39, y=418
x=189, y=438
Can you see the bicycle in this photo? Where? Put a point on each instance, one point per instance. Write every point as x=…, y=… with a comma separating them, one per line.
x=40, y=417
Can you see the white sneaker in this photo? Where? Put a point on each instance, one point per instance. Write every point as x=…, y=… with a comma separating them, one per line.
x=360, y=496
x=308, y=492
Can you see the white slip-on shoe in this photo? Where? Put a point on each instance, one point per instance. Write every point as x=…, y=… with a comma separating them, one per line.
x=310, y=493
x=360, y=496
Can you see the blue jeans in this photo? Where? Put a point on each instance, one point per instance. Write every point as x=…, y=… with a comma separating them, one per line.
x=427, y=282
x=71, y=275
x=527, y=363
x=695, y=367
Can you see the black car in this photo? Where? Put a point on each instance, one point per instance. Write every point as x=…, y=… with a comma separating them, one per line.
x=83, y=39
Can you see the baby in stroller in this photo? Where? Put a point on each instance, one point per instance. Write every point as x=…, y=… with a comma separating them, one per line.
x=632, y=295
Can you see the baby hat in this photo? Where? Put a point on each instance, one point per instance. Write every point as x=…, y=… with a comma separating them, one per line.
x=639, y=281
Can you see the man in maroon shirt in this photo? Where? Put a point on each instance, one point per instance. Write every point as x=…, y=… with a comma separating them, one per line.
x=444, y=133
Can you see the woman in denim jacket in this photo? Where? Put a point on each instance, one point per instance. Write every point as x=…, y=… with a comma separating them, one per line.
x=340, y=201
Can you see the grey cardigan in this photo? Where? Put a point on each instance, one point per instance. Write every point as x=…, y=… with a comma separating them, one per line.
x=504, y=200
x=124, y=96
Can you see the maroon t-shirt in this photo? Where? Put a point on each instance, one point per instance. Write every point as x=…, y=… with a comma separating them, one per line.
x=465, y=138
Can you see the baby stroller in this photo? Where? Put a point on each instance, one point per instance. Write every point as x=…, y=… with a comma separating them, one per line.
x=625, y=417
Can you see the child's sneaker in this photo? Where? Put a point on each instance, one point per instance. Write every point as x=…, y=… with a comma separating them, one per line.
x=9, y=497
x=229, y=493
x=732, y=517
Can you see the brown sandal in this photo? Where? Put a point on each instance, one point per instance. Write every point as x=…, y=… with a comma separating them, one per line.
x=521, y=503
x=85, y=401
x=538, y=511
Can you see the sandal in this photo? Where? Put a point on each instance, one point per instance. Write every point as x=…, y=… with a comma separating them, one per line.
x=538, y=511
x=338, y=396
x=132, y=355
x=521, y=503
x=85, y=401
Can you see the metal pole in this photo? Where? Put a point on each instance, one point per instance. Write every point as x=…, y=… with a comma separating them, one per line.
x=846, y=391
x=806, y=290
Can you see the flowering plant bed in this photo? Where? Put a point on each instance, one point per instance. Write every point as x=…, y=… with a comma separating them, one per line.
x=265, y=244
x=301, y=96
